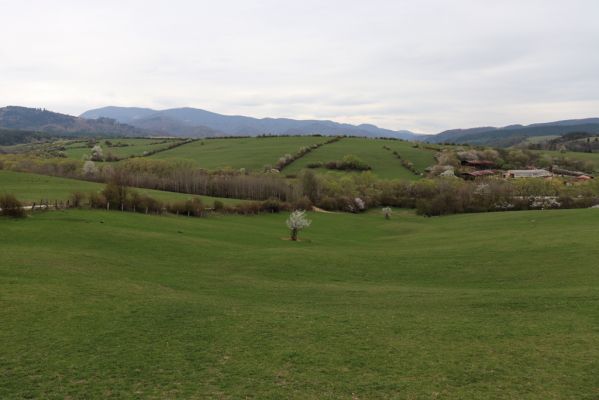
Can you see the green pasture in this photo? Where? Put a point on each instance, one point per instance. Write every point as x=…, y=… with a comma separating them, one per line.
x=383, y=162
x=98, y=304
x=30, y=188
x=135, y=147
x=249, y=153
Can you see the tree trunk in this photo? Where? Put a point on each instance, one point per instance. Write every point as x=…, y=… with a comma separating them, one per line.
x=294, y=234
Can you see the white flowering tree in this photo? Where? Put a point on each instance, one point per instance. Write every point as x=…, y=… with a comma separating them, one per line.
x=89, y=168
x=296, y=222
x=97, y=153
x=387, y=212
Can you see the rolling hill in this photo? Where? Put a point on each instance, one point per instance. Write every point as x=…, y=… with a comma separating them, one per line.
x=514, y=134
x=40, y=120
x=197, y=122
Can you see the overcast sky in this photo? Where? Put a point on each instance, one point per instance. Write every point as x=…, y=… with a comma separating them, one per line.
x=420, y=65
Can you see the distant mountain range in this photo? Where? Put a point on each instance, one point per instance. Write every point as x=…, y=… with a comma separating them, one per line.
x=192, y=122
x=514, y=134
x=197, y=122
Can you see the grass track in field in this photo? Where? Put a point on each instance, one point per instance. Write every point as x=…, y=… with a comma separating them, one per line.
x=496, y=305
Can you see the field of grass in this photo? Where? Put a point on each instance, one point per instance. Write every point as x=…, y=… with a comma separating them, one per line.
x=250, y=153
x=98, y=304
x=78, y=149
x=384, y=164
x=30, y=188
x=574, y=155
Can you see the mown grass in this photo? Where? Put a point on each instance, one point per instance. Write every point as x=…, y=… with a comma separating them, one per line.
x=249, y=153
x=384, y=164
x=99, y=304
x=135, y=147
x=30, y=188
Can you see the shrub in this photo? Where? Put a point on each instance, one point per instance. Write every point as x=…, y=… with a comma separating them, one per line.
x=348, y=162
x=97, y=200
x=11, y=207
x=303, y=203
x=272, y=205
x=218, y=205
x=193, y=207
x=76, y=199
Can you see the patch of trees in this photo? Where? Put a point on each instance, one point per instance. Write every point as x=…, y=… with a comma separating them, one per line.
x=347, y=163
x=10, y=137
x=574, y=141
x=513, y=159
x=442, y=196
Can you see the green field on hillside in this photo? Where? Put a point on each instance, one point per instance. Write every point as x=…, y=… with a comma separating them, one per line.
x=574, y=155
x=30, y=188
x=384, y=164
x=98, y=304
x=250, y=153
x=79, y=149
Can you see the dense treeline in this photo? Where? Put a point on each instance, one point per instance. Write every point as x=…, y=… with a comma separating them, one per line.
x=442, y=196
x=574, y=141
x=10, y=137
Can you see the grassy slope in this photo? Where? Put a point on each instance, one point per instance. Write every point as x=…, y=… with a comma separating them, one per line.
x=383, y=162
x=136, y=147
x=32, y=188
x=500, y=305
x=574, y=155
x=249, y=153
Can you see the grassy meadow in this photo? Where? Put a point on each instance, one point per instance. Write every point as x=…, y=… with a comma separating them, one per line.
x=30, y=188
x=98, y=304
x=574, y=155
x=384, y=164
x=249, y=153
x=134, y=147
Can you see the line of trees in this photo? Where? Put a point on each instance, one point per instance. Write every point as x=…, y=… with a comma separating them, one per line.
x=350, y=192
x=289, y=158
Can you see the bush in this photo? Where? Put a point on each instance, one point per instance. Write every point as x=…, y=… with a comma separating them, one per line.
x=193, y=207
x=303, y=203
x=97, y=200
x=11, y=207
x=76, y=199
x=348, y=162
x=218, y=205
x=273, y=206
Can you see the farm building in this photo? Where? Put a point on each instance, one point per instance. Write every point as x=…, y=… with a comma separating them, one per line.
x=477, y=174
x=528, y=173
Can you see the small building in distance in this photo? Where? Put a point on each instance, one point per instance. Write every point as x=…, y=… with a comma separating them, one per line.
x=527, y=173
x=472, y=175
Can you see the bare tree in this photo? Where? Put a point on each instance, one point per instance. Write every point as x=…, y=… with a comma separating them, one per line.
x=296, y=222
